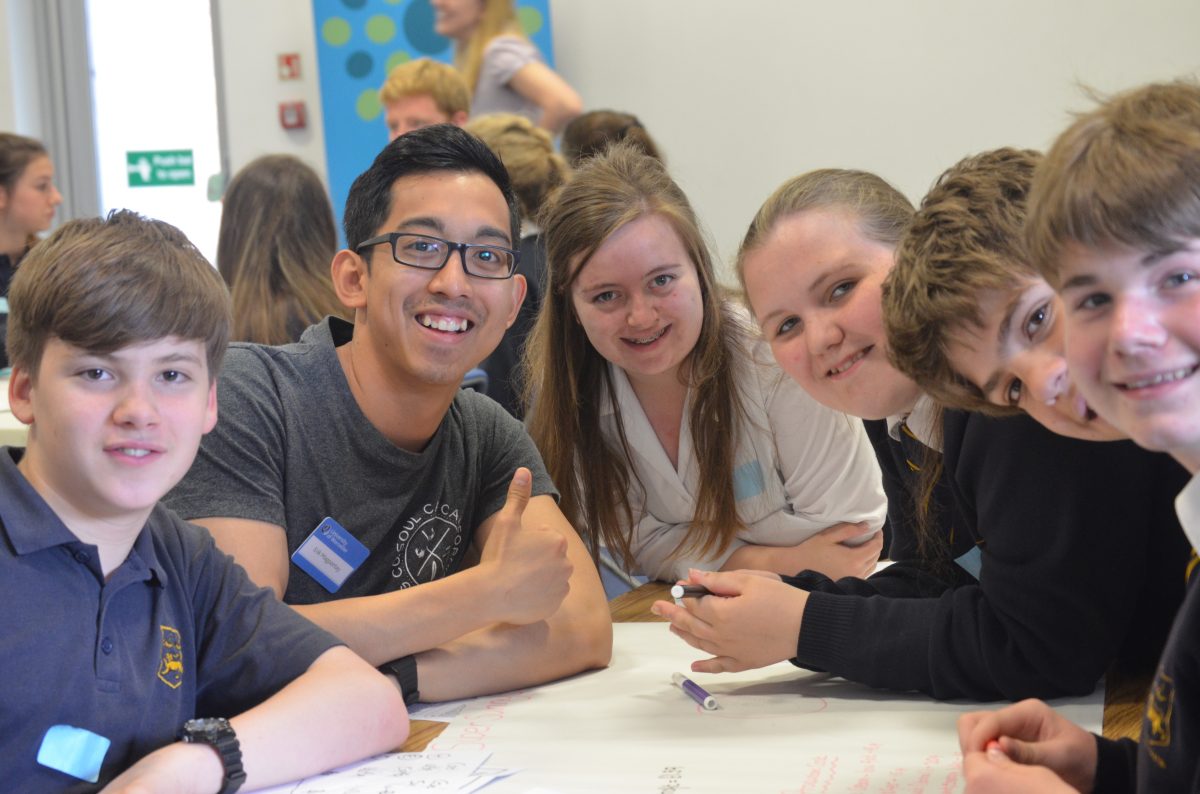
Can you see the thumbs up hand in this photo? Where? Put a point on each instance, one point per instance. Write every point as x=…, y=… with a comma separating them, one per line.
x=528, y=566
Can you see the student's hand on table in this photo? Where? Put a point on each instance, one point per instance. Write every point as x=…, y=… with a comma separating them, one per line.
x=178, y=768
x=992, y=772
x=825, y=552
x=829, y=553
x=753, y=622
x=528, y=565
x=1026, y=736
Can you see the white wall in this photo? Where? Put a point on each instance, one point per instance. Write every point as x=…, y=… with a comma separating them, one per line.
x=20, y=110
x=742, y=95
x=252, y=34
x=8, y=113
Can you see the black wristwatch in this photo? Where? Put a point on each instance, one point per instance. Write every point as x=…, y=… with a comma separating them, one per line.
x=404, y=670
x=217, y=732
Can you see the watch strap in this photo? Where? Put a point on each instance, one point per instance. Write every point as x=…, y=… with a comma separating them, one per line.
x=219, y=734
x=404, y=670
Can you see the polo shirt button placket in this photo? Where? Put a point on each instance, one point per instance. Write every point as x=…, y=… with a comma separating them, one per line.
x=106, y=645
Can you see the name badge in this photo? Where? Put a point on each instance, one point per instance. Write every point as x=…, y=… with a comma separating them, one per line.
x=330, y=554
x=73, y=751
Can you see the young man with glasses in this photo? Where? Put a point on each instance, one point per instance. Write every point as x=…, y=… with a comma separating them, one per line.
x=352, y=475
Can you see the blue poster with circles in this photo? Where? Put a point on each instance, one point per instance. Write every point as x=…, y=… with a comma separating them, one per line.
x=358, y=43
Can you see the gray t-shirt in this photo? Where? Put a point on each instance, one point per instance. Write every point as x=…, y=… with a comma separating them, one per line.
x=503, y=57
x=292, y=447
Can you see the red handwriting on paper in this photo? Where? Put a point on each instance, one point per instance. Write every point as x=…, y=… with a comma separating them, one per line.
x=477, y=723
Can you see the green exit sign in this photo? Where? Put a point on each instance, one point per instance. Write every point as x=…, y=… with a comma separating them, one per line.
x=154, y=169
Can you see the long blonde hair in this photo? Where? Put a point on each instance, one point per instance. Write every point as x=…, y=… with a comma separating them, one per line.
x=569, y=380
x=499, y=19
x=274, y=250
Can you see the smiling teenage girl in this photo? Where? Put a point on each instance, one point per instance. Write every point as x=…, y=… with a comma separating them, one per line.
x=674, y=439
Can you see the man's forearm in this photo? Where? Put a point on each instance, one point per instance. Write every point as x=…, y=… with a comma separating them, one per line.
x=384, y=627
x=503, y=657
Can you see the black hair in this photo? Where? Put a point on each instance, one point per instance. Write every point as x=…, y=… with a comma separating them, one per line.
x=440, y=147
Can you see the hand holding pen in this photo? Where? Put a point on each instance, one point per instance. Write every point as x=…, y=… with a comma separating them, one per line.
x=755, y=621
x=1007, y=745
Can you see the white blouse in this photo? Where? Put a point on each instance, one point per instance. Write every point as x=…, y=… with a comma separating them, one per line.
x=799, y=468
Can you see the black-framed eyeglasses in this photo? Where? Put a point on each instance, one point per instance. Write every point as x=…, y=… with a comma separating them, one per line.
x=427, y=252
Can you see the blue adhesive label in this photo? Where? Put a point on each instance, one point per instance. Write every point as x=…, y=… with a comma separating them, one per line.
x=75, y=751
x=748, y=480
x=971, y=561
x=330, y=554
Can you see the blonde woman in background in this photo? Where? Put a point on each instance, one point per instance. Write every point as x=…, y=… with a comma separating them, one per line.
x=274, y=250
x=504, y=70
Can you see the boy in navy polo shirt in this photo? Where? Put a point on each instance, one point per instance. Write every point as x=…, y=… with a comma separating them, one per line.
x=123, y=624
x=1114, y=225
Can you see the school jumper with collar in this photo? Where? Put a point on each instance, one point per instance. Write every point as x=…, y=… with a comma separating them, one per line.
x=1065, y=556
x=1168, y=756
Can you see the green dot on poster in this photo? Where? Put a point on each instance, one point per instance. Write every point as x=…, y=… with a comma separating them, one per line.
x=368, y=106
x=335, y=31
x=531, y=19
x=381, y=29
x=395, y=59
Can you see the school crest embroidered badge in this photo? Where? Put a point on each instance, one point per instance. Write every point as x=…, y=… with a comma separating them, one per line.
x=1159, y=706
x=170, y=665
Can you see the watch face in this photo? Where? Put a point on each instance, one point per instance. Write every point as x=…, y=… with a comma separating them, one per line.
x=206, y=725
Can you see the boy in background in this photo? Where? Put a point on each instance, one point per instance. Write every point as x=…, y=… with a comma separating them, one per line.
x=124, y=624
x=1114, y=225
x=422, y=93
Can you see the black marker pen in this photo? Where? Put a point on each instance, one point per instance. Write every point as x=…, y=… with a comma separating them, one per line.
x=689, y=591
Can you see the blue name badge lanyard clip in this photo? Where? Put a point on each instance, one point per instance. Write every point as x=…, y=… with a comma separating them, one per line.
x=330, y=554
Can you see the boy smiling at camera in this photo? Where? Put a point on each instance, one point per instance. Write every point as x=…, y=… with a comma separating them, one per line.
x=1114, y=224
x=116, y=331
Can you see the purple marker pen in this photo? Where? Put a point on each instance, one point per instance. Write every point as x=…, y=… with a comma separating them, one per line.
x=695, y=691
